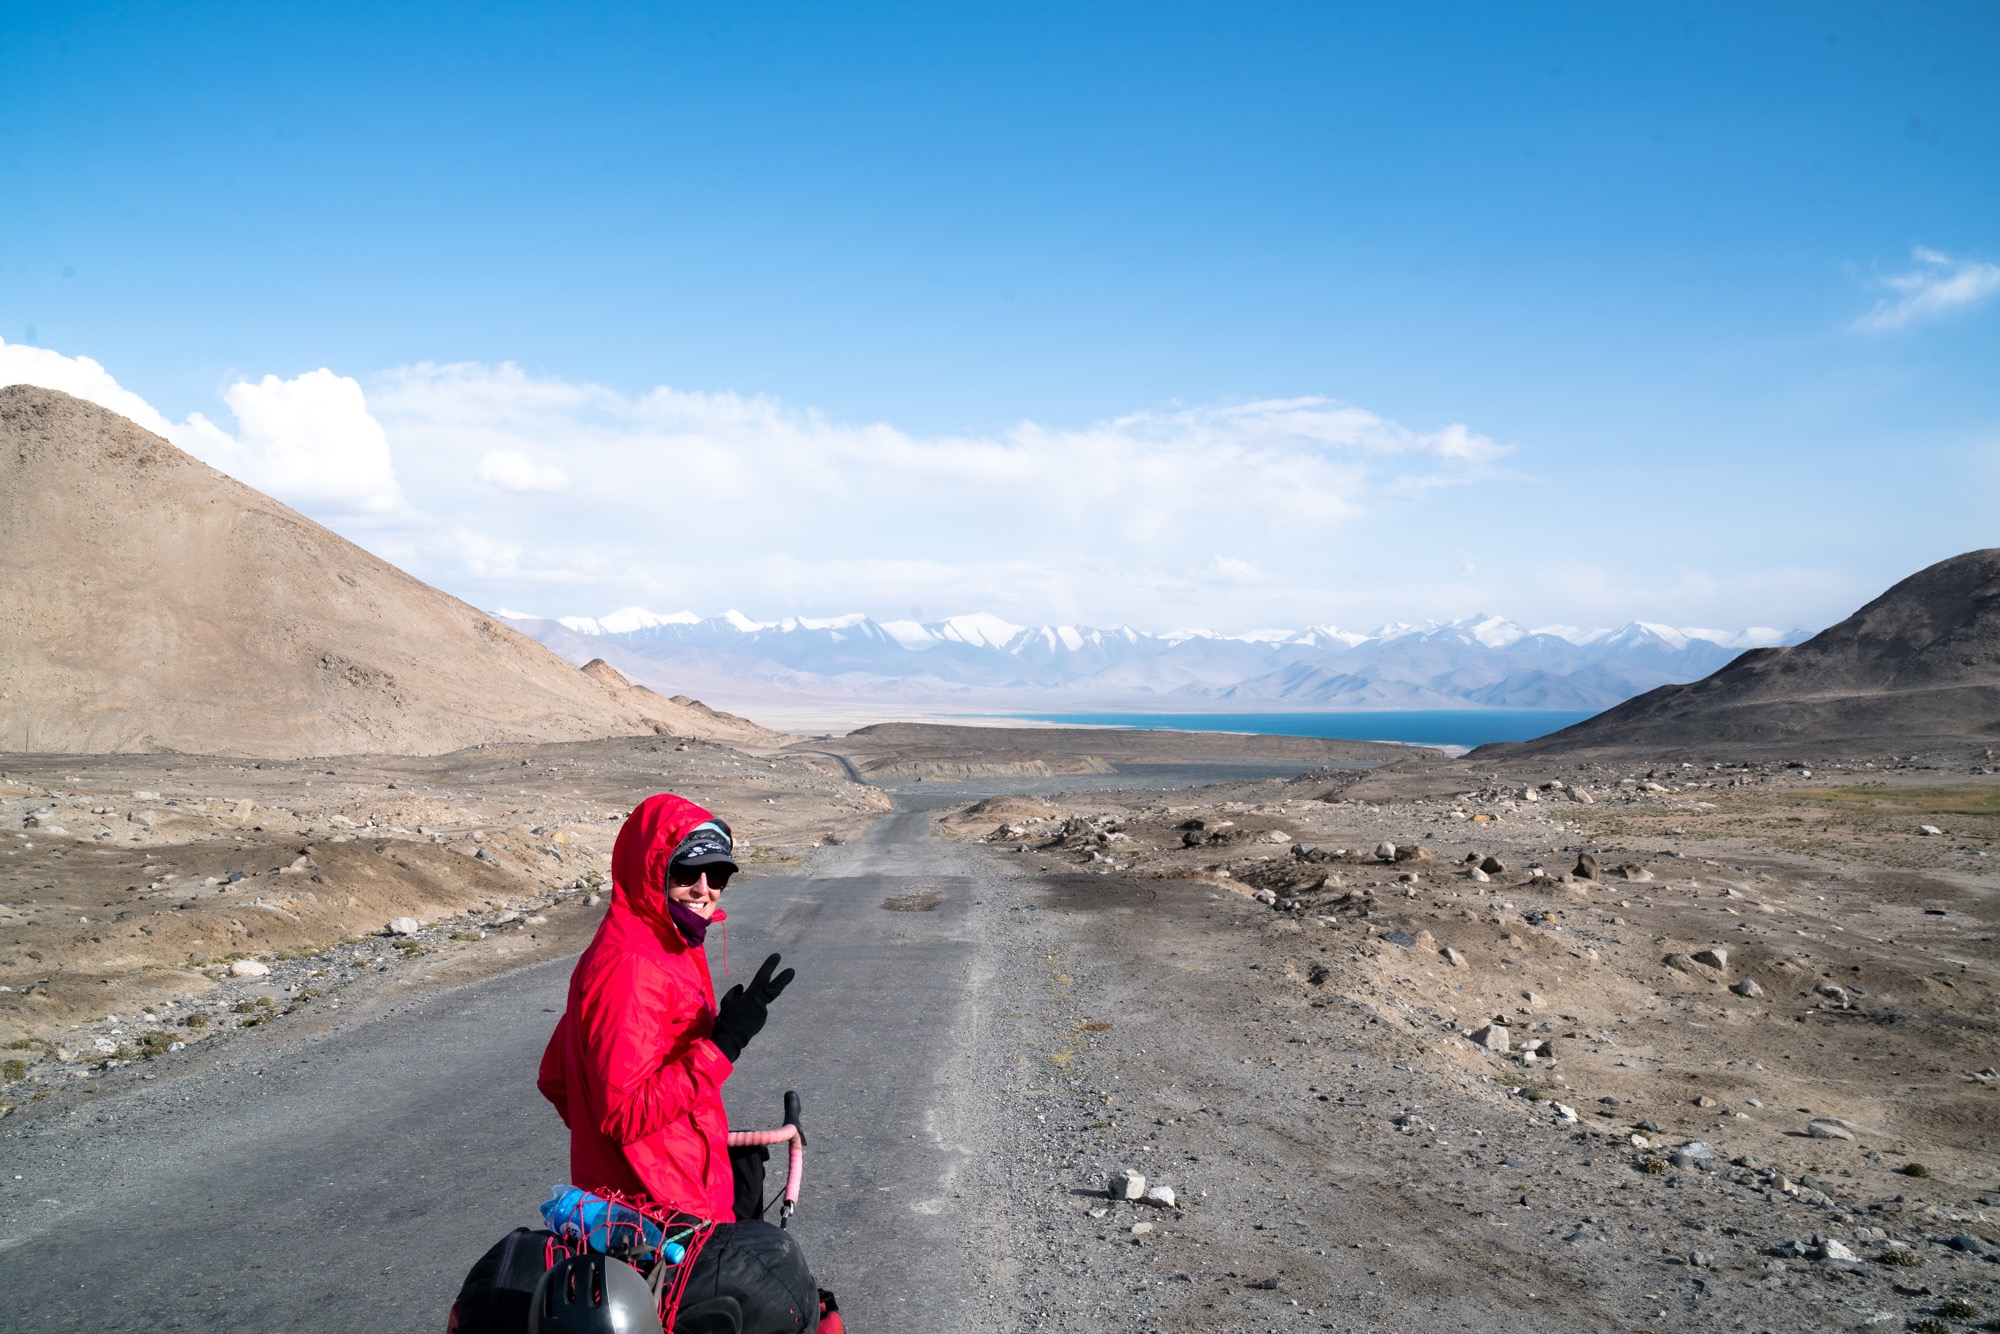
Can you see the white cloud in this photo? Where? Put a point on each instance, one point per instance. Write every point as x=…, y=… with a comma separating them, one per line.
x=1234, y=514
x=1937, y=286
x=1230, y=570
x=308, y=441
x=717, y=498
x=511, y=470
x=1135, y=491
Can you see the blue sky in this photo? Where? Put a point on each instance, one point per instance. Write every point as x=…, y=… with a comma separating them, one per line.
x=1712, y=293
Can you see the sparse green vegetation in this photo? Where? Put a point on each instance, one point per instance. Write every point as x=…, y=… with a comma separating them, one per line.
x=1957, y=1308
x=1914, y=1170
x=1654, y=1167
x=1914, y=800
x=243, y=1007
x=13, y=1070
x=155, y=1042
x=1899, y=1258
x=198, y=1019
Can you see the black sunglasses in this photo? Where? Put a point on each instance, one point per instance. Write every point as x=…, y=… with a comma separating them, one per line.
x=683, y=876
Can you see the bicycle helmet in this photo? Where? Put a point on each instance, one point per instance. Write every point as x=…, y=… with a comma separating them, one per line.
x=593, y=1294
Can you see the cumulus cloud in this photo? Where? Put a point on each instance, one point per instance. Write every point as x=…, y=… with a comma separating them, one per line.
x=719, y=498
x=309, y=441
x=1152, y=478
x=511, y=470
x=1229, y=513
x=1937, y=286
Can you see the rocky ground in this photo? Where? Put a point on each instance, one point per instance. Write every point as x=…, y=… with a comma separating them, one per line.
x=1403, y=1067
x=149, y=901
x=1436, y=1045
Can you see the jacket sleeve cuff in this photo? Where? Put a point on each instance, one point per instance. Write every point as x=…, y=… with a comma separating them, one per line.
x=710, y=1065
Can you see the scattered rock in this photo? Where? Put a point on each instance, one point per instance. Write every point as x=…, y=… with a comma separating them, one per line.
x=1494, y=1037
x=1141, y=1229
x=405, y=926
x=1747, y=987
x=1477, y=875
x=1831, y=1249
x=1160, y=1196
x=1715, y=957
x=248, y=968
x=1453, y=957
x=1386, y=851
x=1586, y=867
x=1492, y=866
x=1634, y=871
x=1828, y=1129
x=1929, y=830
x=1128, y=1185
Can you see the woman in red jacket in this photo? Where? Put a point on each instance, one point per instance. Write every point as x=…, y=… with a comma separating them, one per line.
x=636, y=1064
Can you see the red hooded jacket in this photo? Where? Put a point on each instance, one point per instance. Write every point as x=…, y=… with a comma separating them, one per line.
x=630, y=1067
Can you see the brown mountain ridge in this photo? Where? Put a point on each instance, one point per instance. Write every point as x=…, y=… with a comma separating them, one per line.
x=1921, y=663
x=151, y=603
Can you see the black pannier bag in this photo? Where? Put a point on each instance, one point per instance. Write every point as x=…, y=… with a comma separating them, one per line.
x=496, y=1294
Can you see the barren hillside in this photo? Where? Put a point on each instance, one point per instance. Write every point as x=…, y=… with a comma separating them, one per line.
x=1919, y=663
x=150, y=603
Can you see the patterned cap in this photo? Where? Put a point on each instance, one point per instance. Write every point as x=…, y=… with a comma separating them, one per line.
x=706, y=845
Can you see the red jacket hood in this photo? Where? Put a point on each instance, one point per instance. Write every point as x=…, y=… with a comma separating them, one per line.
x=632, y=1066
x=639, y=861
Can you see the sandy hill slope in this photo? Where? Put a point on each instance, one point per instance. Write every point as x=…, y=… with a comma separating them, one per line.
x=148, y=602
x=679, y=714
x=1919, y=663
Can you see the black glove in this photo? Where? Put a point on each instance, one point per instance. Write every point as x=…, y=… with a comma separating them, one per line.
x=742, y=1013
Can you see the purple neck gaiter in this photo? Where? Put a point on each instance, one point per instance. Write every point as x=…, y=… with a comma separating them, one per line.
x=693, y=926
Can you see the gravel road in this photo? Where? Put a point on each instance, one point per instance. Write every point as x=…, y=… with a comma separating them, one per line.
x=981, y=1039
x=359, y=1170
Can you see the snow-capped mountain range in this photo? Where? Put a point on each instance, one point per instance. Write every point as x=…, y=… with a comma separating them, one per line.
x=982, y=660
